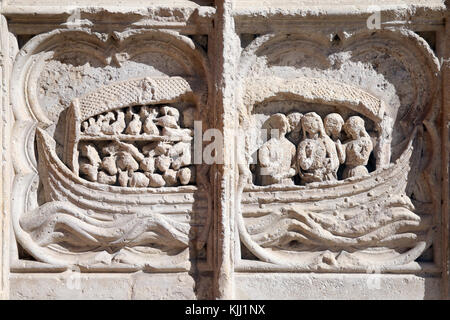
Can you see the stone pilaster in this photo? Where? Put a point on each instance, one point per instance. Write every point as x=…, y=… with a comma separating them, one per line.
x=5, y=163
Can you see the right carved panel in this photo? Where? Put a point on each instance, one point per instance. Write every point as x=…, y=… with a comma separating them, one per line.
x=339, y=138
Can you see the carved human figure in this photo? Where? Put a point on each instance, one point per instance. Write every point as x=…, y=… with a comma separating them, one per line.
x=276, y=157
x=316, y=155
x=295, y=119
x=358, y=149
x=333, y=123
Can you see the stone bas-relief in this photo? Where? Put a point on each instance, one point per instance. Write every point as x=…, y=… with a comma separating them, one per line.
x=318, y=157
x=334, y=156
x=115, y=187
x=328, y=181
x=156, y=151
x=276, y=156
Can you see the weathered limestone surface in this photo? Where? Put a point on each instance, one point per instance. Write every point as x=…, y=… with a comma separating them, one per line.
x=4, y=228
x=336, y=287
x=224, y=149
x=102, y=286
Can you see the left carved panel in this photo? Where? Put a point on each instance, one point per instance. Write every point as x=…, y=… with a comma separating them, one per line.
x=103, y=151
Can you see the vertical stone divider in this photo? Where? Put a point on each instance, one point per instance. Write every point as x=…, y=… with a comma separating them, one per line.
x=445, y=156
x=227, y=53
x=5, y=161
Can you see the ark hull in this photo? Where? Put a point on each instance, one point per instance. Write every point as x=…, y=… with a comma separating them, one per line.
x=86, y=223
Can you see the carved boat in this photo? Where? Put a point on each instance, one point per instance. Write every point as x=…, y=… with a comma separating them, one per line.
x=357, y=222
x=347, y=225
x=86, y=223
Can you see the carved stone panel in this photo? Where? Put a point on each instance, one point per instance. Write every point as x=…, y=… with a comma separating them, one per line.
x=103, y=152
x=199, y=149
x=337, y=134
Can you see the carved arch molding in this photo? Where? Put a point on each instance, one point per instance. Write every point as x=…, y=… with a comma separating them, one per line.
x=103, y=143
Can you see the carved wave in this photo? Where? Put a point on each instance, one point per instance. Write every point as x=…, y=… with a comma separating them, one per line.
x=71, y=227
x=296, y=228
